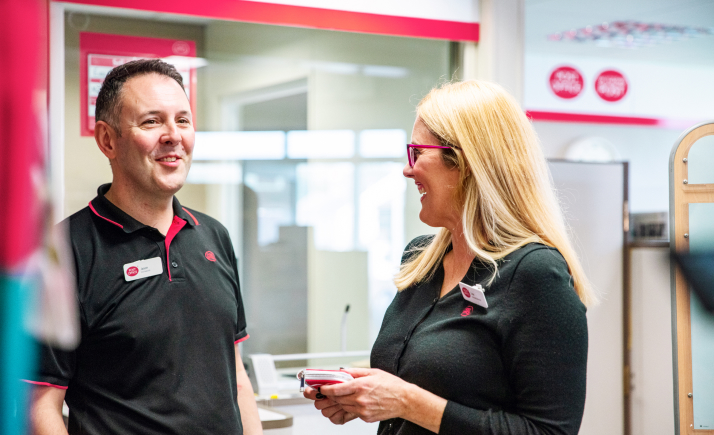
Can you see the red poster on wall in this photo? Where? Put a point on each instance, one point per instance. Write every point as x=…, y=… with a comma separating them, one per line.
x=100, y=52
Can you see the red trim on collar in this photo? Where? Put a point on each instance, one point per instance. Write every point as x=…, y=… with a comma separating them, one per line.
x=192, y=216
x=108, y=220
x=176, y=226
x=45, y=384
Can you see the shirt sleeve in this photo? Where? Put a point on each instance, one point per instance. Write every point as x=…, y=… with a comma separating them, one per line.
x=241, y=333
x=545, y=345
x=55, y=367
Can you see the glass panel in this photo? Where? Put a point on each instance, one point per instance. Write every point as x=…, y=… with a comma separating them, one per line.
x=701, y=238
x=699, y=161
x=325, y=202
x=299, y=152
x=274, y=258
x=323, y=226
x=335, y=144
x=382, y=143
x=381, y=189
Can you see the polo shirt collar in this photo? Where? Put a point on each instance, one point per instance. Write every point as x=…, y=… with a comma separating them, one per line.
x=184, y=214
x=105, y=209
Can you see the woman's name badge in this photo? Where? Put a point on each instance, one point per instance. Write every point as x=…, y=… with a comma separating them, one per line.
x=143, y=269
x=474, y=294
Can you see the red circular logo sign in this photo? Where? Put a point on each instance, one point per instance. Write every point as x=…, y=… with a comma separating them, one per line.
x=466, y=292
x=468, y=310
x=132, y=271
x=210, y=256
x=181, y=48
x=611, y=85
x=566, y=82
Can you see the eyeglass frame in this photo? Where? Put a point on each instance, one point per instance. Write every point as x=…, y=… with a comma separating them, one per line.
x=412, y=161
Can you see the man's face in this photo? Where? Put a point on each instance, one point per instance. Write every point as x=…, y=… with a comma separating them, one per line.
x=153, y=154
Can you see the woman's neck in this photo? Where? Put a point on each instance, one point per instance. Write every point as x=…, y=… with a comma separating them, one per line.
x=457, y=261
x=462, y=253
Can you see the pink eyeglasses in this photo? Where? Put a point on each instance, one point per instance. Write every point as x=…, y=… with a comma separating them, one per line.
x=412, y=156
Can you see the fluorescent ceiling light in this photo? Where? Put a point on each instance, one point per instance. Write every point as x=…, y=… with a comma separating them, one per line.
x=385, y=71
x=334, y=67
x=321, y=144
x=186, y=61
x=382, y=143
x=214, y=173
x=345, y=68
x=239, y=145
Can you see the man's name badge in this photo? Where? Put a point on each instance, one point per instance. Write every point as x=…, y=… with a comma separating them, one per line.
x=143, y=269
x=473, y=294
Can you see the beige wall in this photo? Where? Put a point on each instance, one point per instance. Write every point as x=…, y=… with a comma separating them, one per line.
x=85, y=166
x=335, y=280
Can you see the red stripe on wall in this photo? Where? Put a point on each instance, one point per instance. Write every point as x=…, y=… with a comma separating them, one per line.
x=592, y=119
x=301, y=16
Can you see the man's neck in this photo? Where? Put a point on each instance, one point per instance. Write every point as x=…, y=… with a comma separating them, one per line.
x=150, y=210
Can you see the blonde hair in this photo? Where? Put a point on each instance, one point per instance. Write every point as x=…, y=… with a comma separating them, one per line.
x=505, y=187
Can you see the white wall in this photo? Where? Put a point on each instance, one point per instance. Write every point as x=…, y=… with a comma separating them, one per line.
x=498, y=56
x=652, y=396
x=675, y=93
x=645, y=148
x=592, y=196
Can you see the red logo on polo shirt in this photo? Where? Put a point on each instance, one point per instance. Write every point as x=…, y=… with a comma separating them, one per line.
x=465, y=292
x=132, y=271
x=210, y=256
x=468, y=310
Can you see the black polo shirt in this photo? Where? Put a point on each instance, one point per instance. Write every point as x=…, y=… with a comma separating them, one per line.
x=157, y=353
x=517, y=367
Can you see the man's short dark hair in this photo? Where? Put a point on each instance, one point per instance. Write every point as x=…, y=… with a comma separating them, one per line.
x=108, y=106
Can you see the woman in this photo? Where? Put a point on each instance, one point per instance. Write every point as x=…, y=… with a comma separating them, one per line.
x=451, y=364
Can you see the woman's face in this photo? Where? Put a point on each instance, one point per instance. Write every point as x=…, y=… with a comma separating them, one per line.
x=436, y=181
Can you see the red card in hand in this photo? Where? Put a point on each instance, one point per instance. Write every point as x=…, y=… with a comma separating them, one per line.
x=316, y=378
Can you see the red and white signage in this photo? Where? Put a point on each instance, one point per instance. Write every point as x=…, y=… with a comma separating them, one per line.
x=566, y=82
x=611, y=85
x=100, y=52
x=616, y=91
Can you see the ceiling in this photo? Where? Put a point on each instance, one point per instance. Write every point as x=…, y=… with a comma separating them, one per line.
x=544, y=17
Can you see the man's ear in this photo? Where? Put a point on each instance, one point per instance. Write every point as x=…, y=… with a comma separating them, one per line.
x=106, y=138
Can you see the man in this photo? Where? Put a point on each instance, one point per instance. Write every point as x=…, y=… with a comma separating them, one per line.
x=157, y=283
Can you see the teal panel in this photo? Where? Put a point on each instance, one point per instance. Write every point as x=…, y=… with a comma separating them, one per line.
x=701, y=238
x=17, y=355
x=700, y=158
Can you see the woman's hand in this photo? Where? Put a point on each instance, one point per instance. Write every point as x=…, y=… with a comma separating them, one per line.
x=328, y=407
x=374, y=395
